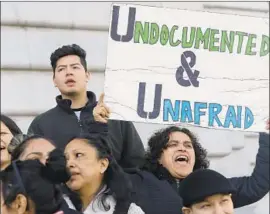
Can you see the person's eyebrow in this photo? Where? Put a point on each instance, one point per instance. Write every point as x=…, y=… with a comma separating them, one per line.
x=5, y=132
x=64, y=66
x=173, y=141
x=73, y=151
x=75, y=64
x=176, y=141
x=34, y=153
x=58, y=66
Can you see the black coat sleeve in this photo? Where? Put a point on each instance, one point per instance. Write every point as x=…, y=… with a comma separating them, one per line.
x=133, y=152
x=124, y=141
x=251, y=189
x=92, y=127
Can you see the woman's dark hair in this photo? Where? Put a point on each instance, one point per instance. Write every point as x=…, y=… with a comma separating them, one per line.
x=158, y=142
x=19, y=143
x=117, y=183
x=36, y=182
x=12, y=126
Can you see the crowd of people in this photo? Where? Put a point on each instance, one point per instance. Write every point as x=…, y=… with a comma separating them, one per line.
x=74, y=159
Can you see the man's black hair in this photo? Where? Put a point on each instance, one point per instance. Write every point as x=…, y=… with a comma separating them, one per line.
x=67, y=50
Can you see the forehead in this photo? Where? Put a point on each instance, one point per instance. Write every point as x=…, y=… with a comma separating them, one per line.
x=216, y=197
x=3, y=127
x=67, y=60
x=179, y=136
x=79, y=144
x=39, y=145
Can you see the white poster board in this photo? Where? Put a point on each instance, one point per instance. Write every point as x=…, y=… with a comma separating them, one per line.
x=171, y=66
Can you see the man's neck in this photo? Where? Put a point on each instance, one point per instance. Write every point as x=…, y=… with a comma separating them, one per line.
x=77, y=101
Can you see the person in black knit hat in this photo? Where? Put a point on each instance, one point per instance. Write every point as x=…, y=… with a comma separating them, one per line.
x=206, y=191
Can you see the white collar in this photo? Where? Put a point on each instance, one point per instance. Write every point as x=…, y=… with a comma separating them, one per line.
x=96, y=208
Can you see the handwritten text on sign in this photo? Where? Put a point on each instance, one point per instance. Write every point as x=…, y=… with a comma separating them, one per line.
x=171, y=66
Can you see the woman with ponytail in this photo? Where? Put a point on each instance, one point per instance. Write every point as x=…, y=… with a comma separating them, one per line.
x=31, y=187
x=100, y=183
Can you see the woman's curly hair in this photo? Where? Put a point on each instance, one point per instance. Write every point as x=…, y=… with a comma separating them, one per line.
x=158, y=142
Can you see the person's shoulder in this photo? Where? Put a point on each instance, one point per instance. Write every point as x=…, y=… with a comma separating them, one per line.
x=121, y=125
x=120, y=122
x=146, y=174
x=143, y=177
x=47, y=114
x=44, y=118
x=138, y=176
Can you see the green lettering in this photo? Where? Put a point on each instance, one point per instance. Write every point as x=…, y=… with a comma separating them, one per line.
x=212, y=46
x=171, y=37
x=164, y=35
x=225, y=42
x=185, y=43
x=154, y=34
x=264, y=50
x=202, y=38
x=250, y=45
x=240, y=43
x=142, y=32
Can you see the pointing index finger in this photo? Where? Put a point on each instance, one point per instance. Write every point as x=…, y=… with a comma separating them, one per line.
x=101, y=99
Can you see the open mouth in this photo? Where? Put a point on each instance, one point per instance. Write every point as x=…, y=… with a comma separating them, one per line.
x=70, y=81
x=74, y=173
x=181, y=159
x=2, y=147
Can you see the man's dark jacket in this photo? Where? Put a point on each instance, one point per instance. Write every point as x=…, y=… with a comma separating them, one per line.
x=60, y=124
x=249, y=189
x=154, y=196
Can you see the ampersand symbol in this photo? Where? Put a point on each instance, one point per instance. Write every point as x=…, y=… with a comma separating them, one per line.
x=186, y=67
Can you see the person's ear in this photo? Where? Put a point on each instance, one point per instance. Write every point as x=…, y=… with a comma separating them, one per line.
x=186, y=210
x=54, y=82
x=88, y=75
x=104, y=163
x=20, y=204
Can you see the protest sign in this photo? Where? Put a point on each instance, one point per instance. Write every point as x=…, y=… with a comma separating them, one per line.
x=171, y=66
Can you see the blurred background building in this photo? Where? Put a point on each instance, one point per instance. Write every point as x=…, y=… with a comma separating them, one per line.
x=30, y=31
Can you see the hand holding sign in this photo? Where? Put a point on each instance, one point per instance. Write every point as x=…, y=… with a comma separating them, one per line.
x=101, y=112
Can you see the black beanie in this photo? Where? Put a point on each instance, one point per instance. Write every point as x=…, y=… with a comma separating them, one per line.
x=201, y=184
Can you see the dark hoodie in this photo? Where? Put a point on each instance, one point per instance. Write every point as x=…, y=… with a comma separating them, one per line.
x=60, y=124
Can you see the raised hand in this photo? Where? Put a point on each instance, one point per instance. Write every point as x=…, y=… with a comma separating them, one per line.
x=101, y=112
